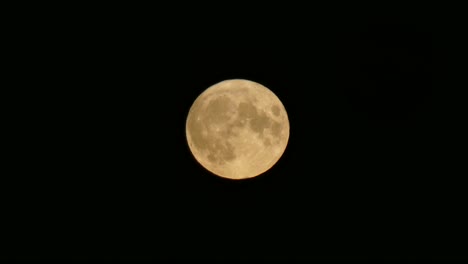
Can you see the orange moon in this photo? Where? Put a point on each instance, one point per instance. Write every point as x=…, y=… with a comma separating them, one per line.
x=237, y=129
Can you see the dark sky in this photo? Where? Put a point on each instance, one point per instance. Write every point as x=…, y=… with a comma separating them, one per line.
x=365, y=174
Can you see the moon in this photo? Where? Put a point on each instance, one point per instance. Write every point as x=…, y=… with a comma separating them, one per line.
x=237, y=129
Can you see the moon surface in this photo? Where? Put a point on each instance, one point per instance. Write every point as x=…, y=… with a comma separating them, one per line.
x=237, y=129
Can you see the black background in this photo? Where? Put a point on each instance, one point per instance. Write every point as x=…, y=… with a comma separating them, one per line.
x=366, y=174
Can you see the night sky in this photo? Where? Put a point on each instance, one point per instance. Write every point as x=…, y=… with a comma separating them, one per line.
x=365, y=174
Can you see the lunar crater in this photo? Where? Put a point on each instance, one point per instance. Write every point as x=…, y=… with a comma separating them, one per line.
x=275, y=110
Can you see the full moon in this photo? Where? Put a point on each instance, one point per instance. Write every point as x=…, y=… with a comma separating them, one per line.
x=237, y=129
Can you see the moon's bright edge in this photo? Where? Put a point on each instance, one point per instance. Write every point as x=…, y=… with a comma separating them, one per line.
x=237, y=129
